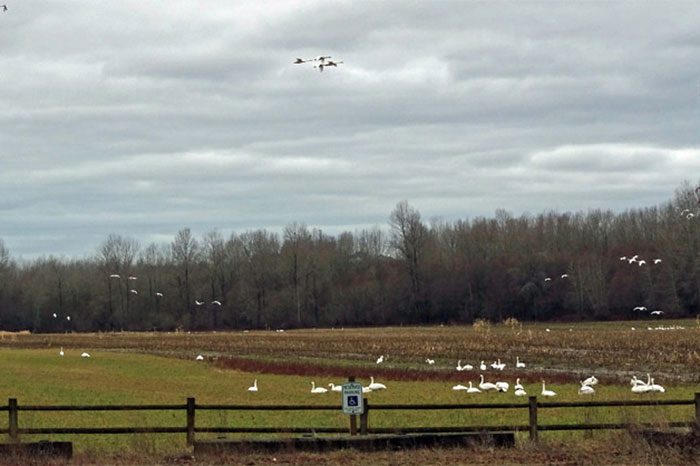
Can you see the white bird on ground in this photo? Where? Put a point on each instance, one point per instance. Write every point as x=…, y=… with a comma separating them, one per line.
x=430, y=361
x=61, y=353
x=115, y=275
x=634, y=259
x=654, y=387
x=380, y=359
x=590, y=381
x=486, y=386
x=254, y=387
x=472, y=389
x=494, y=365
x=519, y=364
x=482, y=366
x=546, y=392
x=517, y=384
x=502, y=386
x=641, y=388
x=374, y=386
x=315, y=389
x=85, y=355
x=459, y=366
x=199, y=358
x=335, y=388
x=366, y=389
x=585, y=389
x=520, y=392
x=656, y=313
x=500, y=365
x=459, y=387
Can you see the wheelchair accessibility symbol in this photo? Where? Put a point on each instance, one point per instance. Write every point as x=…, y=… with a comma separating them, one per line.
x=353, y=400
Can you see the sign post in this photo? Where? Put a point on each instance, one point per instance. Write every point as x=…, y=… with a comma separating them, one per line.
x=352, y=402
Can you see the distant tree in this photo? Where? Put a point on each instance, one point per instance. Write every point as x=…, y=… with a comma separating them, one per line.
x=185, y=254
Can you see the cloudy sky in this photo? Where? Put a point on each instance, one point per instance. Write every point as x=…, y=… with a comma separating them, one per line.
x=144, y=117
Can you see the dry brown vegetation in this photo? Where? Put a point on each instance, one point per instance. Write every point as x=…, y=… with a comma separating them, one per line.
x=613, y=350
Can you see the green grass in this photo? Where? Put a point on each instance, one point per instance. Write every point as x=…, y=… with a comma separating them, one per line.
x=41, y=377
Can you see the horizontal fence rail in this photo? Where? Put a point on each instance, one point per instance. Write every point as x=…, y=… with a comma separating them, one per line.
x=190, y=407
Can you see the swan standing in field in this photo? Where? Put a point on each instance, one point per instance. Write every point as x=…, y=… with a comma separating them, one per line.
x=254, y=387
x=315, y=389
x=61, y=353
x=546, y=392
x=472, y=389
x=85, y=355
x=380, y=359
x=374, y=386
x=335, y=388
x=430, y=361
x=482, y=366
x=459, y=366
x=585, y=389
x=486, y=386
x=519, y=364
x=518, y=385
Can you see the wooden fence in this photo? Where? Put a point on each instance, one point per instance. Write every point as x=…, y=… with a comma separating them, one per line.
x=190, y=408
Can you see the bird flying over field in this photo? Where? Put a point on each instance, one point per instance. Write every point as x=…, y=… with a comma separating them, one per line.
x=656, y=313
x=4, y=7
x=115, y=275
x=216, y=303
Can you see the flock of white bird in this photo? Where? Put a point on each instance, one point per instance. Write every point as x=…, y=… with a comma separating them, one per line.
x=158, y=294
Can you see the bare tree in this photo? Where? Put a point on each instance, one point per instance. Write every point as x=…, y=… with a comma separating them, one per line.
x=185, y=253
x=408, y=237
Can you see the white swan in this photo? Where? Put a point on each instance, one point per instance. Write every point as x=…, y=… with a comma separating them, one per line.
x=585, y=389
x=500, y=365
x=472, y=389
x=459, y=387
x=199, y=357
x=518, y=385
x=546, y=392
x=590, y=381
x=635, y=381
x=374, y=386
x=656, y=387
x=502, y=386
x=335, y=388
x=61, y=353
x=85, y=355
x=520, y=392
x=430, y=361
x=315, y=389
x=366, y=389
x=486, y=386
x=641, y=388
x=459, y=366
x=519, y=364
x=254, y=387
x=380, y=359
x=482, y=366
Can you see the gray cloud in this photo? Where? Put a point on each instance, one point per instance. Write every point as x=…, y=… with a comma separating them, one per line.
x=143, y=118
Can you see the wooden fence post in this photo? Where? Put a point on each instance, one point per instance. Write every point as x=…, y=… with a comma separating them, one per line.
x=363, y=418
x=697, y=412
x=533, y=418
x=190, y=421
x=13, y=425
x=353, y=418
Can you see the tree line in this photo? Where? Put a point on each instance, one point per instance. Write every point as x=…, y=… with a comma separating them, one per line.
x=552, y=266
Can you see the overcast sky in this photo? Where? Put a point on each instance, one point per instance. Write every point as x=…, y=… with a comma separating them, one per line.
x=144, y=117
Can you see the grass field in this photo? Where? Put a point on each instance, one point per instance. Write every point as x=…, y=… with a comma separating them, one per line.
x=145, y=368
